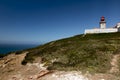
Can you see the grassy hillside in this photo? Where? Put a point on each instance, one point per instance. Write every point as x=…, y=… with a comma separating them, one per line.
x=91, y=52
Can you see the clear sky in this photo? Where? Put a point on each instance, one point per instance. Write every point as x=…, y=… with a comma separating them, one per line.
x=36, y=21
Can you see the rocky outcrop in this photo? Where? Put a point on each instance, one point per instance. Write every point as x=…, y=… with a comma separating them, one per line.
x=11, y=69
x=62, y=75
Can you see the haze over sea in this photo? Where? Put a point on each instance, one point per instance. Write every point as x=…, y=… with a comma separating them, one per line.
x=6, y=48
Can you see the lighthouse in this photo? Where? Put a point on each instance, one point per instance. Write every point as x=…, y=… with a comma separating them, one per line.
x=102, y=28
x=102, y=23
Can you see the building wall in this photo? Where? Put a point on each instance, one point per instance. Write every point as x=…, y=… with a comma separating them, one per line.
x=118, y=25
x=108, y=30
x=119, y=29
x=102, y=24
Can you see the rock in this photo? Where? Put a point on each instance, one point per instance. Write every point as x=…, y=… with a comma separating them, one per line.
x=62, y=75
x=42, y=73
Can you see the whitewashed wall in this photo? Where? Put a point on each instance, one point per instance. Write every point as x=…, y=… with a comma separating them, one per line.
x=108, y=30
x=118, y=25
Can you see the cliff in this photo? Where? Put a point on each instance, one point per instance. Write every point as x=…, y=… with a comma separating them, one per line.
x=83, y=57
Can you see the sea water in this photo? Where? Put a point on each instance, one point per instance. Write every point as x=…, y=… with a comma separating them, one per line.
x=6, y=48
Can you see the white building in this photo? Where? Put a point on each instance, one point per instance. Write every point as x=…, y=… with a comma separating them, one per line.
x=103, y=28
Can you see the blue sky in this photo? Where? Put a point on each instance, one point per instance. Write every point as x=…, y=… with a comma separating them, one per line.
x=39, y=21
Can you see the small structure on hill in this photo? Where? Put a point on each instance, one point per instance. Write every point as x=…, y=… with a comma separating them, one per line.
x=102, y=28
x=102, y=23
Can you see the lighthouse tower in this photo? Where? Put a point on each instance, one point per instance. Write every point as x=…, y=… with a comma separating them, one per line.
x=102, y=23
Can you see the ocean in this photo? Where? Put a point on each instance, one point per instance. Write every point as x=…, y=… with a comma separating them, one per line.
x=6, y=48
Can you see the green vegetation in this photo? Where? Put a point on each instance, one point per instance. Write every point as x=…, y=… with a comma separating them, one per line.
x=90, y=52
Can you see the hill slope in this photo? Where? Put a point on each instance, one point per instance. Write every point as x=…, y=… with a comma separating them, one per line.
x=92, y=52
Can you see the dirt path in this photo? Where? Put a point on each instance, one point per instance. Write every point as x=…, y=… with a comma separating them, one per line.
x=114, y=64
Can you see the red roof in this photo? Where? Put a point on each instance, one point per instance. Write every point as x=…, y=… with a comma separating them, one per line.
x=102, y=18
